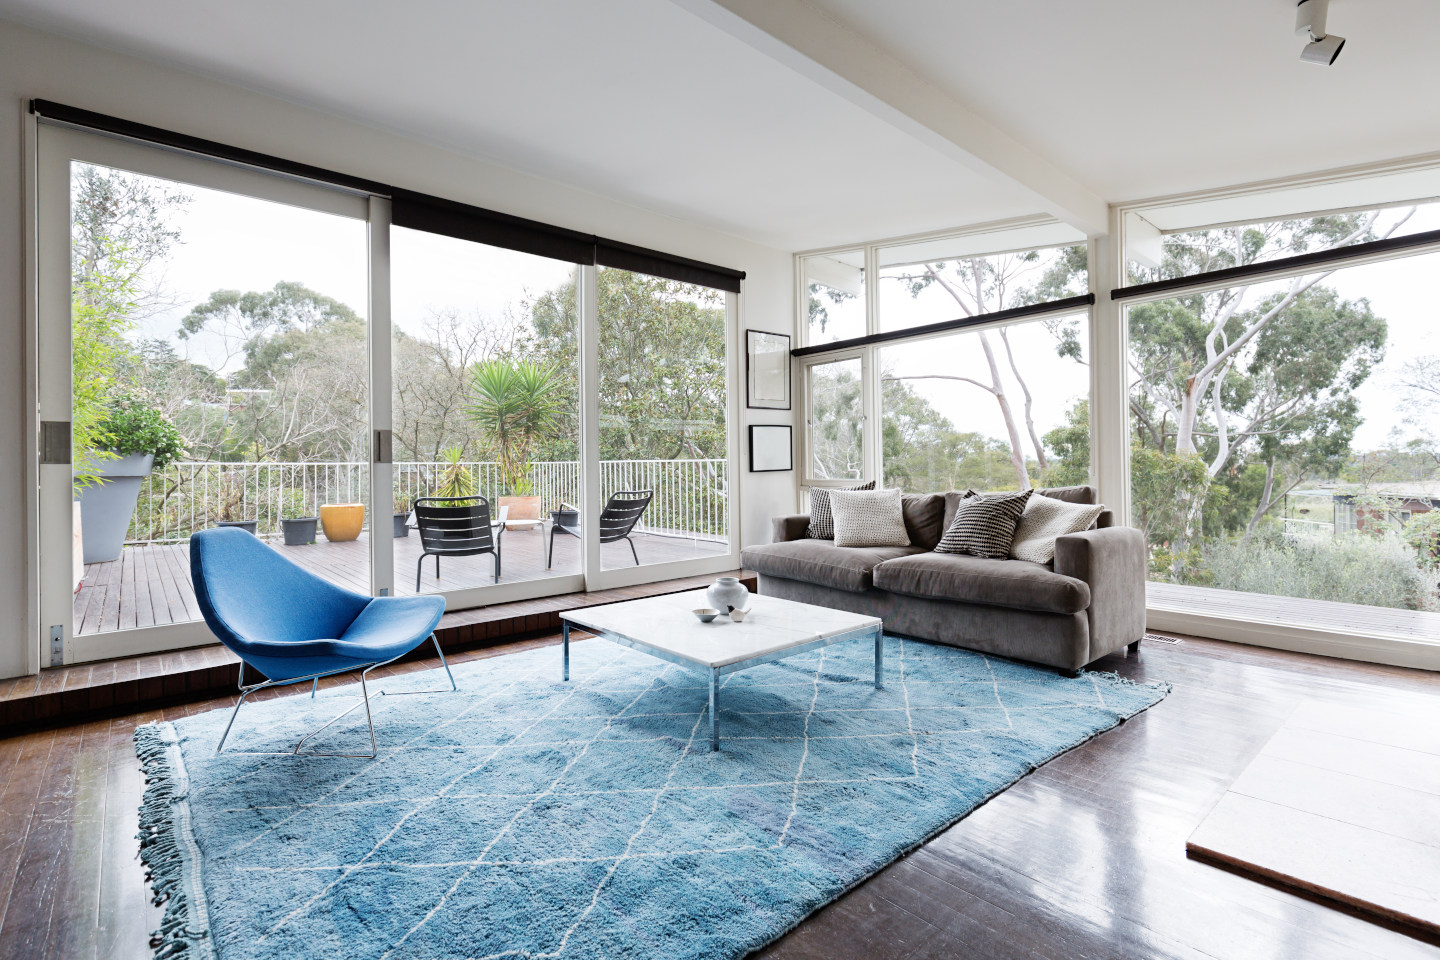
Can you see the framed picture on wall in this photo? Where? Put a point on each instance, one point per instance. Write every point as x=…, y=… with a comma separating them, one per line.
x=767, y=365
x=770, y=448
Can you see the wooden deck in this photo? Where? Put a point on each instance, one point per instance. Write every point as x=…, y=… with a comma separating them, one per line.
x=150, y=585
x=1291, y=611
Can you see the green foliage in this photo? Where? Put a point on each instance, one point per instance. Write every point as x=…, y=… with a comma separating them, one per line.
x=516, y=403
x=102, y=312
x=134, y=426
x=1070, y=447
x=662, y=366
x=456, y=480
x=923, y=450
x=293, y=505
x=1422, y=533
x=1166, y=490
x=1378, y=571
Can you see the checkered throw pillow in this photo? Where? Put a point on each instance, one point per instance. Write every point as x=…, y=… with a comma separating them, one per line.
x=822, y=520
x=984, y=525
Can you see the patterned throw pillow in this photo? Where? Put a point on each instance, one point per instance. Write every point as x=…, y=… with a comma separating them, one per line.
x=1044, y=520
x=868, y=518
x=822, y=521
x=984, y=525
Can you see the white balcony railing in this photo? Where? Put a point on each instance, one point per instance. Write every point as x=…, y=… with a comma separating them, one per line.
x=690, y=496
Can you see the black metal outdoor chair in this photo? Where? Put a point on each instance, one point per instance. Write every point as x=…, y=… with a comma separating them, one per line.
x=617, y=521
x=455, y=527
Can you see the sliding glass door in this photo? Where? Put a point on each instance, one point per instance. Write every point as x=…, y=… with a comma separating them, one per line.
x=203, y=342
x=220, y=346
x=485, y=404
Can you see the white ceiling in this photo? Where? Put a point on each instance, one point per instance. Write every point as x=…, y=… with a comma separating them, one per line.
x=1138, y=98
x=645, y=102
x=633, y=99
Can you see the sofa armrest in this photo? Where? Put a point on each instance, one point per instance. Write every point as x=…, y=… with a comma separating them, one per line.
x=789, y=528
x=1113, y=561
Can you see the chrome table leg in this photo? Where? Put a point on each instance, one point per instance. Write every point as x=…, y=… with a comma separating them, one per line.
x=714, y=710
x=879, y=657
x=565, y=649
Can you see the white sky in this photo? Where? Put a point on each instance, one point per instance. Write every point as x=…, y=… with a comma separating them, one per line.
x=236, y=242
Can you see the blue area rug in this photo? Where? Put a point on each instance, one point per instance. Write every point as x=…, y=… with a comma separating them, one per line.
x=525, y=817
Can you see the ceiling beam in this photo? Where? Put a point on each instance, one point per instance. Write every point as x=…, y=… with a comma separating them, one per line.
x=808, y=40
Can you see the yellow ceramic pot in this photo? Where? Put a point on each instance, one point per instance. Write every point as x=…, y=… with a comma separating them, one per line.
x=342, y=521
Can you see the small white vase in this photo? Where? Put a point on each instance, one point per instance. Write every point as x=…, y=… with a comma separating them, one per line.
x=727, y=592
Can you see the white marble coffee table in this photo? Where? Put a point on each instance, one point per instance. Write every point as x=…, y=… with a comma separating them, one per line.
x=775, y=629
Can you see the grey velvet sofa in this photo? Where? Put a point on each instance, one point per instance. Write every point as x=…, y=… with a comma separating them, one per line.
x=1089, y=602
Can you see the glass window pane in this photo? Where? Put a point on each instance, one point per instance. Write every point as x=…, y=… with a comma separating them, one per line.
x=664, y=482
x=949, y=288
x=835, y=296
x=227, y=337
x=485, y=405
x=1284, y=444
x=1193, y=252
x=837, y=410
x=998, y=409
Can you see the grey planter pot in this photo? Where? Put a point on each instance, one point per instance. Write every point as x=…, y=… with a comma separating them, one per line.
x=402, y=528
x=249, y=526
x=299, y=531
x=107, y=507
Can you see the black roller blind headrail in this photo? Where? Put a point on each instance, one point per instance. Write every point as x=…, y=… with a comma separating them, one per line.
x=1064, y=305
x=422, y=211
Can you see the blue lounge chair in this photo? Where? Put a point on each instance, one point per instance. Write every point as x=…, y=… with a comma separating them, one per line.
x=290, y=625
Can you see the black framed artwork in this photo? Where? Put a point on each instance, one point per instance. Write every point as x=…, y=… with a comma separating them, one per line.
x=771, y=448
x=767, y=370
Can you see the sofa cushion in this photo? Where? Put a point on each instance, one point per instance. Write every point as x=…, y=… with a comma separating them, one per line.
x=1017, y=584
x=1045, y=519
x=822, y=521
x=821, y=562
x=984, y=525
x=868, y=518
x=1079, y=494
x=923, y=513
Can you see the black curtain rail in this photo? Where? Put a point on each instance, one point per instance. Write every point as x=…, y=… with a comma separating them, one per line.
x=625, y=256
x=946, y=326
x=421, y=211
x=91, y=120
x=1250, y=271
x=418, y=211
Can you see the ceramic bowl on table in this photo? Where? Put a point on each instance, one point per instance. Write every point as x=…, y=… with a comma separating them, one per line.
x=705, y=614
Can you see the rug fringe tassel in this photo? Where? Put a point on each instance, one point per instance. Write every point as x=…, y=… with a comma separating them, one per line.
x=160, y=848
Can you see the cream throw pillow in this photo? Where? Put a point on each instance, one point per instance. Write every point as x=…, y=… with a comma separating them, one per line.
x=1046, y=519
x=868, y=518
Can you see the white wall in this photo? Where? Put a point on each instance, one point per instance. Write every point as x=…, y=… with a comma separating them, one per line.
x=34, y=64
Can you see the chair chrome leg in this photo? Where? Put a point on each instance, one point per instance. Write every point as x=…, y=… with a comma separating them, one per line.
x=443, y=662
x=314, y=685
x=419, y=568
x=632, y=549
x=369, y=721
x=233, y=714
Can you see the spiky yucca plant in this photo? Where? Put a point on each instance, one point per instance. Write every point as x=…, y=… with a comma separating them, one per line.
x=515, y=402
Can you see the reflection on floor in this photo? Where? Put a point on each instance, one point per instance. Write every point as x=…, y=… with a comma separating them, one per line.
x=150, y=585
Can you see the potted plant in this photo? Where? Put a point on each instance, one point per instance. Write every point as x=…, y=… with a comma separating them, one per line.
x=297, y=525
x=516, y=402
x=133, y=439
x=455, y=480
x=402, y=517
x=232, y=500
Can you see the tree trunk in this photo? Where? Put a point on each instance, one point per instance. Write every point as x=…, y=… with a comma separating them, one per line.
x=1017, y=452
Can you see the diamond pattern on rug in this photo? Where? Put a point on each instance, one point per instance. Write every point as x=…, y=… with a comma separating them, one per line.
x=526, y=817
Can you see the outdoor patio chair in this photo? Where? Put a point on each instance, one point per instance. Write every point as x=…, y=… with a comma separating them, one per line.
x=457, y=527
x=617, y=521
x=291, y=625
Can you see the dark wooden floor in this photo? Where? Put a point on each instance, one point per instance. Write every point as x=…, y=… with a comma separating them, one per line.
x=1085, y=858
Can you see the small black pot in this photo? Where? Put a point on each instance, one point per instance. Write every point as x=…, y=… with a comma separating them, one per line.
x=300, y=531
x=401, y=530
x=565, y=518
x=249, y=526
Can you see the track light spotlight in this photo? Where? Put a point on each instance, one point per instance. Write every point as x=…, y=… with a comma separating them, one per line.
x=1320, y=47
